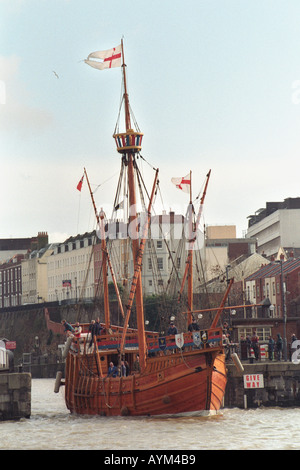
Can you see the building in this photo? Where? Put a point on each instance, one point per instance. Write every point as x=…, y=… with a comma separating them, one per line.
x=223, y=249
x=13, y=251
x=35, y=276
x=275, y=226
x=70, y=269
x=264, y=287
x=12, y=246
x=272, y=299
x=11, y=282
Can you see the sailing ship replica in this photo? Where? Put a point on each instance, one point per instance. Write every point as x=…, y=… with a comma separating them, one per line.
x=182, y=374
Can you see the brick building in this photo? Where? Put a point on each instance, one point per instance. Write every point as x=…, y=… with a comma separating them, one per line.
x=273, y=296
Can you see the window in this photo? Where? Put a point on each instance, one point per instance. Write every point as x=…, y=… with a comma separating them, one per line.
x=248, y=293
x=159, y=244
x=262, y=332
x=149, y=264
x=278, y=288
x=160, y=263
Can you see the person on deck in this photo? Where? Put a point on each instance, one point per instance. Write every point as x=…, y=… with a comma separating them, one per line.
x=136, y=364
x=78, y=330
x=112, y=370
x=193, y=326
x=172, y=330
x=68, y=329
x=98, y=327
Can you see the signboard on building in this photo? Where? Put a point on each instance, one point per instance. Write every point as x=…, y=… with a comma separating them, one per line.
x=253, y=381
x=10, y=344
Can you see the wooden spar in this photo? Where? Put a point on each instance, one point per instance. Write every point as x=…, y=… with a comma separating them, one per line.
x=190, y=265
x=136, y=277
x=126, y=98
x=231, y=307
x=104, y=272
x=221, y=308
x=105, y=255
x=189, y=262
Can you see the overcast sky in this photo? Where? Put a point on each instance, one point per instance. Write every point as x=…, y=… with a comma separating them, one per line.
x=214, y=84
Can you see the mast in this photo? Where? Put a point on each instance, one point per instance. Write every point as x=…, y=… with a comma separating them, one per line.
x=190, y=265
x=138, y=265
x=129, y=143
x=189, y=262
x=104, y=257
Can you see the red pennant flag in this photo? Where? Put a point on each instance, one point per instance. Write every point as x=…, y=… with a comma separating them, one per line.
x=79, y=186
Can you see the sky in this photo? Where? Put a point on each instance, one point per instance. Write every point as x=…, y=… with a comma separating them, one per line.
x=213, y=84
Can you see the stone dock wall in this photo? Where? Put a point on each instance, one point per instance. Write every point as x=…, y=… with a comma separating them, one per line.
x=15, y=395
x=280, y=380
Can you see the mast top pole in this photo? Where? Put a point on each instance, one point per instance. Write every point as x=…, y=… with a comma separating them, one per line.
x=130, y=140
x=126, y=97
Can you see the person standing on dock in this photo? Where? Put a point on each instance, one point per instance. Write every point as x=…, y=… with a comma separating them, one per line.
x=254, y=344
x=279, y=345
x=271, y=348
x=293, y=348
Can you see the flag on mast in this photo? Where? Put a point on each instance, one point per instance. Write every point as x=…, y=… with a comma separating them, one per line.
x=110, y=58
x=79, y=186
x=183, y=183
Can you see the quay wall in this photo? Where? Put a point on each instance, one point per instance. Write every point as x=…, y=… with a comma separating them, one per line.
x=15, y=395
x=281, y=385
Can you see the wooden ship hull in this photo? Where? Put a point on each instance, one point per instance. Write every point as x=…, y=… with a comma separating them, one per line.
x=176, y=382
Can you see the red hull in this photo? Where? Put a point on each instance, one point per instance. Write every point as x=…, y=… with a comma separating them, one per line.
x=181, y=383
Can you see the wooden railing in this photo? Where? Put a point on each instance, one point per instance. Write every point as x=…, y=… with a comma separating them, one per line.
x=109, y=341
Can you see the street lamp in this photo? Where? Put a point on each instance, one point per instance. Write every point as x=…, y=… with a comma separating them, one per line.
x=227, y=282
x=283, y=305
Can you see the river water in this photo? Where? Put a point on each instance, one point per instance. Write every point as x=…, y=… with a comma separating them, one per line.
x=52, y=427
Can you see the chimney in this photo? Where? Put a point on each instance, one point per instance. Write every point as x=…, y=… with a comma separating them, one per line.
x=42, y=240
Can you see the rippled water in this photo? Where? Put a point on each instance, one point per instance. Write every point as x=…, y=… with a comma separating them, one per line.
x=52, y=427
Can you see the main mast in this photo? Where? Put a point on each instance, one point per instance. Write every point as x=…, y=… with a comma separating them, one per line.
x=128, y=144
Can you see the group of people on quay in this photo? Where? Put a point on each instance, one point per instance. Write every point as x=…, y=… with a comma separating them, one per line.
x=249, y=347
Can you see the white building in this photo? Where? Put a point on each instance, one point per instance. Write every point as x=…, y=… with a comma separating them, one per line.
x=34, y=276
x=278, y=225
x=70, y=269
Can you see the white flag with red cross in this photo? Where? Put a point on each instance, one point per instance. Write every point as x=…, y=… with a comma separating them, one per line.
x=110, y=58
x=182, y=183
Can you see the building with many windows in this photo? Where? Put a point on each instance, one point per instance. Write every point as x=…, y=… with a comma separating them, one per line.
x=70, y=269
x=277, y=225
x=11, y=282
x=35, y=275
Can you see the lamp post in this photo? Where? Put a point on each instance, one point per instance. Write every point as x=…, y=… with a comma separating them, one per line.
x=227, y=282
x=283, y=306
